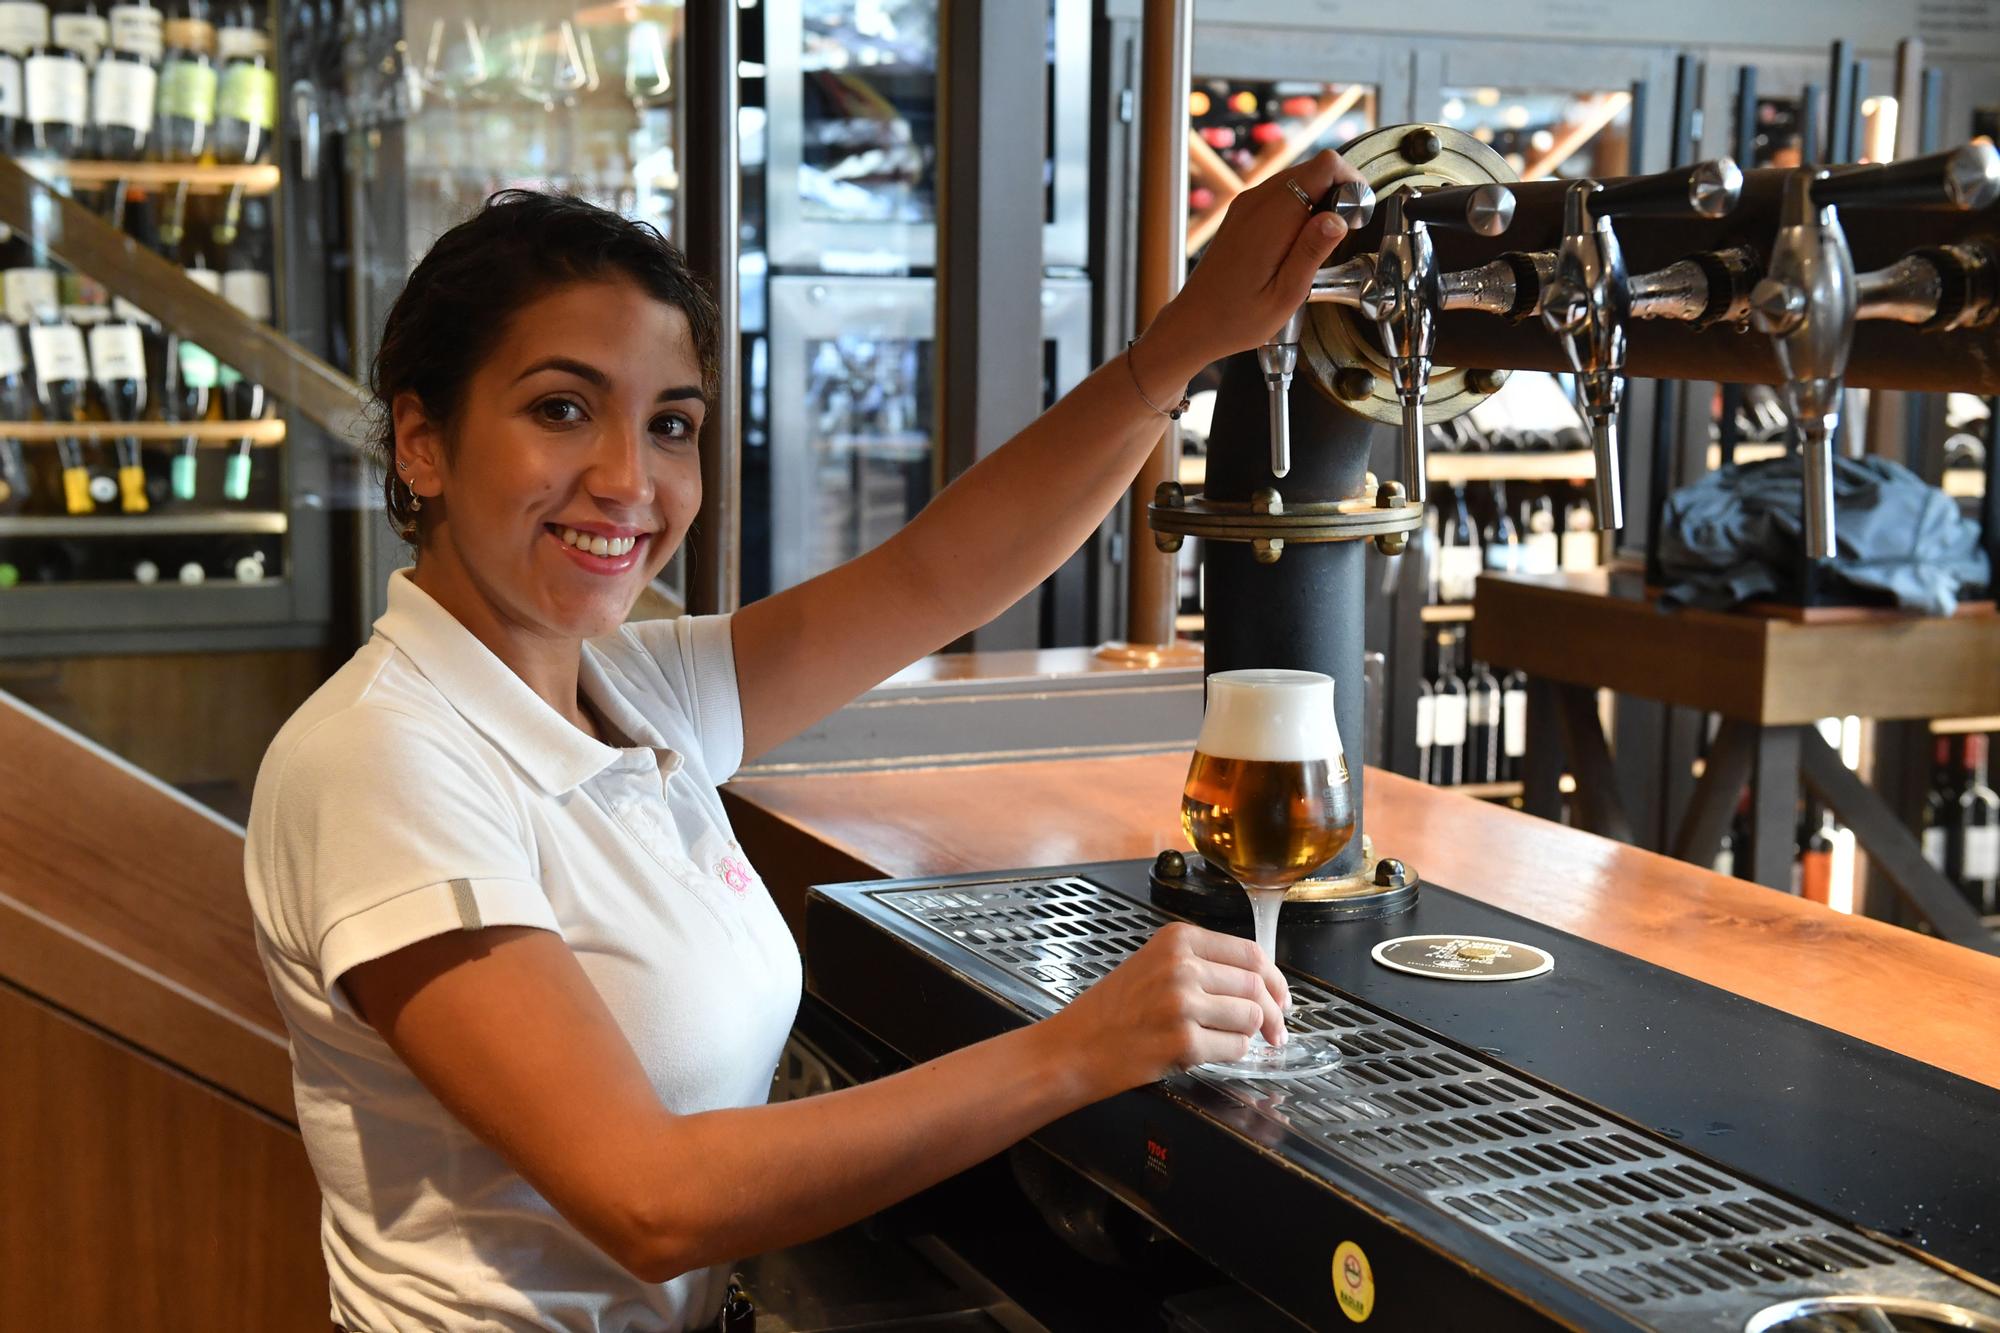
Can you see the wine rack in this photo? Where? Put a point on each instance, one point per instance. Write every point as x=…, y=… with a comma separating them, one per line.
x=255, y=180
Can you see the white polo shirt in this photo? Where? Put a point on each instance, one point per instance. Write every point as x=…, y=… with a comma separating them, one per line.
x=425, y=788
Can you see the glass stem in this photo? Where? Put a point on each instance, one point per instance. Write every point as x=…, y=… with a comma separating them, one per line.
x=1264, y=905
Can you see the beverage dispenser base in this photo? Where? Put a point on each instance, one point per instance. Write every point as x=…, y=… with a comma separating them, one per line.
x=1186, y=885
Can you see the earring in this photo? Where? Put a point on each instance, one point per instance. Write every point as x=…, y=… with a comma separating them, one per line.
x=416, y=501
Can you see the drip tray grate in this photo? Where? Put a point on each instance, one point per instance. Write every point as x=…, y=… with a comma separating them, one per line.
x=1673, y=1241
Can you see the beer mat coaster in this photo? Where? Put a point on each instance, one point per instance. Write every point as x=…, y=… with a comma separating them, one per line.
x=1463, y=957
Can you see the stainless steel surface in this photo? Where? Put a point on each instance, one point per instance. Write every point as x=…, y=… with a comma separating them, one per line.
x=1491, y=288
x=1972, y=176
x=1587, y=307
x=1863, y=1314
x=1402, y=299
x=1353, y=202
x=1489, y=210
x=714, y=226
x=1667, y=1240
x=1678, y=291
x=1908, y=291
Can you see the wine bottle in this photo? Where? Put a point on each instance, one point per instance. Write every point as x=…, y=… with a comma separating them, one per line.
x=1580, y=537
x=81, y=26
x=1513, y=725
x=16, y=401
x=1940, y=828
x=56, y=87
x=1979, y=827
x=1458, y=550
x=188, y=86
x=240, y=30
x=1484, y=720
x=62, y=371
x=247, y=287
x=246, y=106
x=123, y=93
x=24, y=27
x=1541, y=547
x=118, y=363
x=1426, y=727
x=191, y=374
x=138, y=28
x=1448, y=737
x=1501, y=539
x=1814, y=871
x=86, y=308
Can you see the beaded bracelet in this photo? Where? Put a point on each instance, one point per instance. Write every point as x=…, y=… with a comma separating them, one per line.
x=1173, y=413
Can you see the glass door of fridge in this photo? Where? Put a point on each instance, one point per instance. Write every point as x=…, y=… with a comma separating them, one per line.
x=853, y=448
x=852, y=99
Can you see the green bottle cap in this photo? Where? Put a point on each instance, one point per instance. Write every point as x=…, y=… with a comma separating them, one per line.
x=183, y=476
x=236, y=477
x=9, y=575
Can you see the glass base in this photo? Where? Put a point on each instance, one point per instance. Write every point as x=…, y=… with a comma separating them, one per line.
x=1299, y=1057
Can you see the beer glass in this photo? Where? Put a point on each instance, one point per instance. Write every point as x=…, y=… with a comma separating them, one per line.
x=1267, y=802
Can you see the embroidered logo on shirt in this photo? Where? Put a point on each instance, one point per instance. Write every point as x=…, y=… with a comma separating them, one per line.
x=734, y=873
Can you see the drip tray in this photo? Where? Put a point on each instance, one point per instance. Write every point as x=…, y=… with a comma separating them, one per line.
x=1642, y=1228
x=1868, y=1314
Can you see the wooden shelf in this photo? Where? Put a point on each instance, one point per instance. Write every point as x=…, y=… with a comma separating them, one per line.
x=1193, y=622
x=1568, y=465
x=254, y=522
x=1451, y=613
x=1964, y=726
x=257, y=179
x=267, y=432
x=1749, y=453
x=1488, y=791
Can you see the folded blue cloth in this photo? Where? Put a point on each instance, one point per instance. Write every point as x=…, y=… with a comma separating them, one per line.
x=1738, y=535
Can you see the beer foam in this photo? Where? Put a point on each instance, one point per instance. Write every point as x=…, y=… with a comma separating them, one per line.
x=1270, y=716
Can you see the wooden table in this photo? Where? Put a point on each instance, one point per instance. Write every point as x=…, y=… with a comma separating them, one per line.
x=1919, y=996
x=1769, y=677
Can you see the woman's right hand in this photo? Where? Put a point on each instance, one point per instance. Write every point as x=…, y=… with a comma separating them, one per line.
x=1188, y=997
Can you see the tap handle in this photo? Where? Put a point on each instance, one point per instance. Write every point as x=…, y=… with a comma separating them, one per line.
x=1353, y=202
x=1487, y=210
x=1706, y=189
x=1966, y=177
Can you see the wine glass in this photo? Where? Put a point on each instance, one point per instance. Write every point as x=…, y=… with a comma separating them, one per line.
x=1267, y=801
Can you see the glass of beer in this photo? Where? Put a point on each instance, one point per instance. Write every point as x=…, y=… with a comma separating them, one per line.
x=1267, y=801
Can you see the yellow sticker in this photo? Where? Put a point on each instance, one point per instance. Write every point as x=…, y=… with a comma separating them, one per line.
x=1353, y=1282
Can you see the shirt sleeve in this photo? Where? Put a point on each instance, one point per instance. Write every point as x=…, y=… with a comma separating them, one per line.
x=697, y=658
x=387, y=831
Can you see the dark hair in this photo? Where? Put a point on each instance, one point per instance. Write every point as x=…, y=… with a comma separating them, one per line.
x=461, y=295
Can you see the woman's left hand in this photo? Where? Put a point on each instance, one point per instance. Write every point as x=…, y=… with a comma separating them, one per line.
x=1258, y=269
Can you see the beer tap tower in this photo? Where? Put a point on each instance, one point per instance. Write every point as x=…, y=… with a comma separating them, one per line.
x=1290, y=503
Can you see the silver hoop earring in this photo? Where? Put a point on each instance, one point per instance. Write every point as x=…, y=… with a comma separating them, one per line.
x=416, y=501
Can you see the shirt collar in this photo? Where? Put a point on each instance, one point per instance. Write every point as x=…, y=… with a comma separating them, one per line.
x=554, y=754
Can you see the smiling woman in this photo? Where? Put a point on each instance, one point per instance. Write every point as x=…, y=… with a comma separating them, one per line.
x=535, y=991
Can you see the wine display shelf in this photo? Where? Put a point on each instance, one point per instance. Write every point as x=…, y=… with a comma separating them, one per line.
x=253, y=522
x=1447, y=614
x=1960, y=483
x=1565, y=465
x=257, y=179
x=265, y=433
x=1964, y=726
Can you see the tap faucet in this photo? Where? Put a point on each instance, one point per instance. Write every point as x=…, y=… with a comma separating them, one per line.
x=1811, y=296
x=1403, y=294
x=1589, y=301
x=1353, y=202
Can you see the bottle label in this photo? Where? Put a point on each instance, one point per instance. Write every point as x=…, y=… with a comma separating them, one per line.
x=228, y=377
x=117, y=352
x=1458, y=571
x=1982, y=853
x=1426, y=721
x=187, y=90
x=137, y=28
x=59, y=354
x=23, y=27
x=233, y=42
x=250, y=94
x=250, y=292
x=125, y=311
x=1934, y=845
x=12, y=102
x=1479, y=708
x=86, y=316
x=58, y=89
x=190, y=35
x=1503, y=557
x=205, y=278
x=30, y=294
x=85, y=34
x=1450, y=720
x=12, y=360
x=123, y=94
x=1579, y=550
x=1514, y=721
x=198, y=366
x=1541, y=553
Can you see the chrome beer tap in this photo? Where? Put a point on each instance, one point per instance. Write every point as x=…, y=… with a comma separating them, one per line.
x=1811, y=296
x=1590, y=300
x=1403, y=294
x=1353, y=202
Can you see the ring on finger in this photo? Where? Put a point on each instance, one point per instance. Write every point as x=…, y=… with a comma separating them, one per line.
x=1299, y=194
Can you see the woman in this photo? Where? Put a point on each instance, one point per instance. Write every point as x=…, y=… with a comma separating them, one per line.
x=535, y=993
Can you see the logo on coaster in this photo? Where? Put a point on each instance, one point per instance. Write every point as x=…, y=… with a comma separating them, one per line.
x=735, y=873
x=1353, y=1282
x=1463, y=957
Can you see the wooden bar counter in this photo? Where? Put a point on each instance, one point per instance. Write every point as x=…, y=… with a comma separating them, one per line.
x=1915, y=995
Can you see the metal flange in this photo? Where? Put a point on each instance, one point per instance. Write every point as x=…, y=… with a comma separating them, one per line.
x=1342, y=352
x=1177, y=512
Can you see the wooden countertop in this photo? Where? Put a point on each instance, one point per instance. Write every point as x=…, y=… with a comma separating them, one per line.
x=1916, y=995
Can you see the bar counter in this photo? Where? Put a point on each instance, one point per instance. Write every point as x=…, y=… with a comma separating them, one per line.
x=1918, y=996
